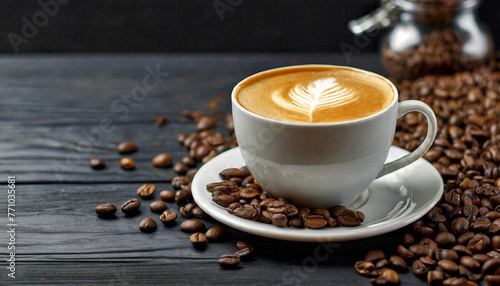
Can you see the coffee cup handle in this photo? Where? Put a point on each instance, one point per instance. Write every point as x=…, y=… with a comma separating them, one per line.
x=404, y=108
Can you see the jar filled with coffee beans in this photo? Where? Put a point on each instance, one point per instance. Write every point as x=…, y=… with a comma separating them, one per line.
x=429, y=36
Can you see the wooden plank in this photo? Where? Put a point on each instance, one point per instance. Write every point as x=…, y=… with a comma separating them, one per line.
x=50, y=104
x=60, y=240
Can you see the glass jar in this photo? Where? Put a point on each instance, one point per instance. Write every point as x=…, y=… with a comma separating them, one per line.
x=434, y=37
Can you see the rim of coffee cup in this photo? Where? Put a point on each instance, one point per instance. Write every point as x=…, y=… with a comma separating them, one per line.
x=355, y=121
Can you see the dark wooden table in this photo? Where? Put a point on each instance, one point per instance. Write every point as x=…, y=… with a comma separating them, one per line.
x=49, y=105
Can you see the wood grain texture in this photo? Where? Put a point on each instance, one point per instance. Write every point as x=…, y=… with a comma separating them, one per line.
x=46, y=102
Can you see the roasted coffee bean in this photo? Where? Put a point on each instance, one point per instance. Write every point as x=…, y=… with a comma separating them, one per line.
x=382, y=264
x=408, y=239
x=460, y=225
x=450, y=254
x=405, y=253
x=232, y=172
x=280, y=220
x=180, y=168
x=315, y=221
x=127, y=147
x=97, y=163
x=198, y=239
x=492, y=266
x=127, y=163
x=211, y=187
x=146, y=191
x=248, y=194
x=469, y=262
x=419, y=268
x=481, y=257
x=162, y=160
x=322, y=212
x=168, y=216
x=296, y=222
x=465, y=237
x=374, y=256
x=492, y=279
x=243, y=245
x=349, y=218
x=205, y=123
x=179, y=181
x=190, y=174
x=192, y=226
x=427, y=261
x=477, y=243
x=445, y=238
x=366, y=268
x=158, y=207
x=398, y=263
x=106, y=210
x=244, y=253
x=160, y=121
x=461, y=250
x=167, y=196
x=425, y=231
x=419, y=250
x=448, y=266
x=147, y=225
x=247, y=180
x=130, y=206
x=387, y=277
x=189, y=162
x=495, y=242
x=336, y=210
x=199, y=213
x=331, y=222
x=181, y=197
x=217, y=234
x=435, y=277
x=224, y=200
x=186, y=210
x=229, y=261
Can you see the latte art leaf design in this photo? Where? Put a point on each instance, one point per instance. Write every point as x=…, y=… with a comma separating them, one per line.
x=317, y=95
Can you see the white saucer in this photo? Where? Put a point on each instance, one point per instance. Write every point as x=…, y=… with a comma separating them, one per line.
x=389, y=203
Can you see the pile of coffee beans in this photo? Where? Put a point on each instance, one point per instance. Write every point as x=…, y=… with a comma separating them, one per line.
x=458, y=241
x=243, y=197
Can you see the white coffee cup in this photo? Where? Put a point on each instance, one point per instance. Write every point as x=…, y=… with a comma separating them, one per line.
x=320, y=165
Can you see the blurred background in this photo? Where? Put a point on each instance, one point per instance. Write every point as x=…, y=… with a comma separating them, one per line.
x=69, y=26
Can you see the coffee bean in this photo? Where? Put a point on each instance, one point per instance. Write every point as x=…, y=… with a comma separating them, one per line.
x=388, y=277
x=211, y=187
x=199, y=213
x=374, y=256
x=217, y=234
x=247, y=180
x=366, y=268
x=127, y=163
x=146, y=191
x=477, y=243
x=460, y=225
x=224, y=200
x=349, y=218
x=296, y=222
x=462, y=250
x=492, y=266
x=419, y=250
x=189, y=162
x=163, y=160
x=419, y=268
x=179, y=181
x=315, y=221
x=160, y=121
x=158, y=207
x=445, y=238
x=280, y=220
x=186, y=209
x=181, y=196
x=398, y=263
x=198, y=239
x=205, y=123
x=229, y=261
x=492, y=279
x=465, y=237
x=405, y=253
x=469, y=262
x=147, y=225
x=97, y=163
x=168, y=216
x=244, y=253
x=336, y=210
x=192, y=226
x=435, y=277
x=130, y=206
x=448, y=266
x=232, y=172
x=408, y=239
x=106, y=210
x=127, y=147
x=167, y=195
x=180, y=168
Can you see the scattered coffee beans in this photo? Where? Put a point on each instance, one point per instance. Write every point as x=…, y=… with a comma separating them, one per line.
x=97, y=163
x=106, y=210
x=229, y=261
x=217, y=234
x=127, y=148
x=244, y=198
x=146, y=191
x=180, y=168
x=168, y=217
x=127, y=163
x=192, y=226
x=198, y=239
x=147, y=225
x=162, y=160
x=167, y=196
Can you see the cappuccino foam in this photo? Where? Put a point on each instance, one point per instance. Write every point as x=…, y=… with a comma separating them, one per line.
x=314, y=94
